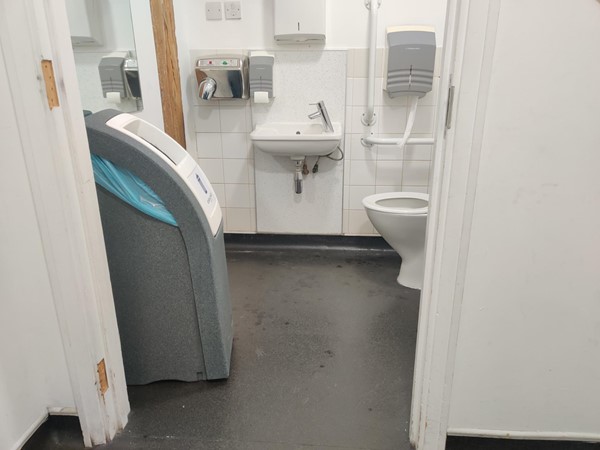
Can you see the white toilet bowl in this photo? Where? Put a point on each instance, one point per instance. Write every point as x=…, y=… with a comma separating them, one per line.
x=400, y=218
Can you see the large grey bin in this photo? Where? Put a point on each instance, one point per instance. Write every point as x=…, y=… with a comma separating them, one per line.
x=170, y=284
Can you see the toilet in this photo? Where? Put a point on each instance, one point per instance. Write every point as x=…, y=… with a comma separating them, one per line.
x=400, y=218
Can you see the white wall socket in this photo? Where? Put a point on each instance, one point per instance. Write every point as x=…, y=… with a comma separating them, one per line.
x=233, y=10
x=213, y=11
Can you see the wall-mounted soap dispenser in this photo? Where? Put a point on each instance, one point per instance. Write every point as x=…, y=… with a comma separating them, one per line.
x=299, y=21
x=410, y=60
x=112, y=76
x=222, y=77
x=119, y=78
x=261, y=76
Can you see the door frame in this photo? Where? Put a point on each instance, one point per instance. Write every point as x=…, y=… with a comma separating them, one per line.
x=471, y=27
x=58, y=163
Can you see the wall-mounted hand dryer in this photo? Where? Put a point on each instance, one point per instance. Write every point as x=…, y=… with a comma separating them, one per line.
x=299, y=22
x=410, y=60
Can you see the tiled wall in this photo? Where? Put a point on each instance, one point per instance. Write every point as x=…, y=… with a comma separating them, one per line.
x=224, y=151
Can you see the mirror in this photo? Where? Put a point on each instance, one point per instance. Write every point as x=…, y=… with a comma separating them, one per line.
x=105, y=55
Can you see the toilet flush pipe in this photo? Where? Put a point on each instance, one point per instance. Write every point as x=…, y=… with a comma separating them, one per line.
x=369, y=117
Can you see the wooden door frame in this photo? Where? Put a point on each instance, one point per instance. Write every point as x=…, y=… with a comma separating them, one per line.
x=165, y=41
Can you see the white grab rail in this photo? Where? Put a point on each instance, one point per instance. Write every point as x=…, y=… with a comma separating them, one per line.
x=369, y=141
x=369, y=117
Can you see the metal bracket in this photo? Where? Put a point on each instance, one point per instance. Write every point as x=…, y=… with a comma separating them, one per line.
x=368, y=3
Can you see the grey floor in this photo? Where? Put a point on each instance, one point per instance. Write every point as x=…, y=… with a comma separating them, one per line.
x=323, y=358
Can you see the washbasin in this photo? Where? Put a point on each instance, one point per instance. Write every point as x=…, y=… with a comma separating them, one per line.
x=296, y=139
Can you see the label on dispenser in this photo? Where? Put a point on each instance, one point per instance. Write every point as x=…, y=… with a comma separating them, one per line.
x=201, y=185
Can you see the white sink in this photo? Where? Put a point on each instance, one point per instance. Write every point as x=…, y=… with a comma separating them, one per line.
x=296, y=139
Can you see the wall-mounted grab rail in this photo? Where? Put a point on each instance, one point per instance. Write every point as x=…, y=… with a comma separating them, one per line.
x=369, y=117
x=369, y=141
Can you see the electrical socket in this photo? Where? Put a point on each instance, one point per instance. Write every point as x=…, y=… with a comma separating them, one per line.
x=213, y=11
x=233, y=10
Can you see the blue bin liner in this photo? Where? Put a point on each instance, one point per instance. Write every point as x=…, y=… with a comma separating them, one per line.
x=129, y=188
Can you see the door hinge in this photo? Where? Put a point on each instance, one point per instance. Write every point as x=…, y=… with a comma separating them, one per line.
x=51, y=92
x=102, y=377
x=449, y=107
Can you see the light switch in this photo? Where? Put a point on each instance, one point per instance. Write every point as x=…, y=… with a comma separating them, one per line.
x=233, y=10
x=213, y=11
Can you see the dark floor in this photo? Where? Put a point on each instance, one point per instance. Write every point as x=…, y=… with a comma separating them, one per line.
x=322, y=359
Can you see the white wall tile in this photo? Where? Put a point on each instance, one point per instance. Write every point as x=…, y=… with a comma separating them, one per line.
x=237, y=195
x=208, y=145
x=357, y=150
x=392, y=119
x=356, y=195
x=235, y=171
x=350, y=63
x=213, y=169
x=359, y=86
x=389, y=172
x=362, y=173
x=424, y=122
x=349, y=91
x=251, y=171
x=418, y=152
x=390, y=152
x=359, y=223
x=345, y=217
x=224, y=213
x=207, y=119
x=415, y=173
x=220, y=192
x=346, y=172
x=385, y=189
x=420, y=189
x=233, y=118
x=236, y=145
x=361, y=63
x=239, y=220
x=346, y=197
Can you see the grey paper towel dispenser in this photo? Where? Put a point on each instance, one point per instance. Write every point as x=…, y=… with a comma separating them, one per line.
x=410, y=60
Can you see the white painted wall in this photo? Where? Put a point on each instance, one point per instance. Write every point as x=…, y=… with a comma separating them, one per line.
x=33, y=371
x=347, y=23
x=527, y=362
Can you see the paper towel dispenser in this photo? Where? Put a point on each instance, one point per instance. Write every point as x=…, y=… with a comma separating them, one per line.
x=222, y=77
x=410, y=60
x=299, y=21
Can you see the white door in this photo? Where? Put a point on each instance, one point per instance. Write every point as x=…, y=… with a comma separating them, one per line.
x=50, y=167
x=513, y=349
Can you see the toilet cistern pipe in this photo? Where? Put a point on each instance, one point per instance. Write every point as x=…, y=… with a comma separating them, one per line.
x=369, y=117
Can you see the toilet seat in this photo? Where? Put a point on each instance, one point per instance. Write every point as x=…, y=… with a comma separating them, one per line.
x=377, y=202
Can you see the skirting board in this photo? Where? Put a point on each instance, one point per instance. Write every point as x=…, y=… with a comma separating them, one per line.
x=534, y=435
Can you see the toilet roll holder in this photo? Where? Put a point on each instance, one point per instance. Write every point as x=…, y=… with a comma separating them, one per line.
x=222, y=77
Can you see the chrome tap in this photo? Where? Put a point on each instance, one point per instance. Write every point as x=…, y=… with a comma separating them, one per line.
x=322, y=113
